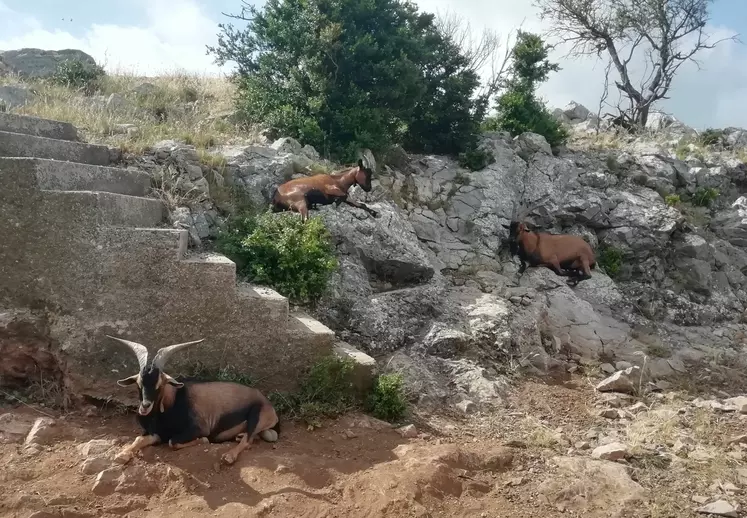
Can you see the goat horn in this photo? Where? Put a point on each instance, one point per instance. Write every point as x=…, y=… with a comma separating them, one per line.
x=164, y=353
x=139, y=349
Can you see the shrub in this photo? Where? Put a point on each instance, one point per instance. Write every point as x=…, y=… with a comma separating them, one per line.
x=672, y=200
x=347, y=75
x=518, y=109
x=476, y=159
x=279, y=250
x=79, y=75
x=704, y=196
x=386, y=400
x=325, y=391
x=610, y=259
x=711, y=137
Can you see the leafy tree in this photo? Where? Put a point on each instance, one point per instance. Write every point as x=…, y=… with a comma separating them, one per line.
x=663, y=34
x=348, y=74
x=519, y=110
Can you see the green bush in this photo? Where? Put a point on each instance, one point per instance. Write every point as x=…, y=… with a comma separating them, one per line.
x=610, y=259
x=672, y=200
x=349, y=74
x=711, y=137
x=280, y=251
x=476, y=159
x=386, y=400
x=79, y=75
x=518, y=108
x=704, y=196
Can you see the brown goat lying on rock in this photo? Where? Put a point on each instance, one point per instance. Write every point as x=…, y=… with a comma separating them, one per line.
x=191, y=413
x=566, y=255
x=301, y=194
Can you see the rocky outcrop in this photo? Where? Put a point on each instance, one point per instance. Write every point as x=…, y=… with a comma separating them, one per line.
x=428, y=285
x=37, y=63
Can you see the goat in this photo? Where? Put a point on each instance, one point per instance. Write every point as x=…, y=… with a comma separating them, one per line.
x=566, y=255
x=191, y=413
x=301, y=194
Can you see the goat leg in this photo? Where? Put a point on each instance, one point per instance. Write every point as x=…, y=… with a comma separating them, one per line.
x=362, y=206
x=175, y=445
x=143, y=441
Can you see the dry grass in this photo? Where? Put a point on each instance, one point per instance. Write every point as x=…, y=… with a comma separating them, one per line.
x=189, y=108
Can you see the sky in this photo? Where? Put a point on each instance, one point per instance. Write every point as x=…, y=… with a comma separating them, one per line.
x=149, y=37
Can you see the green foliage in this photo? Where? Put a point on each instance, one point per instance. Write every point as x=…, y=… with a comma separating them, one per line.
x=518, y=109
x=328, y=391
x=672, y=200
x=704, y=196
x=353, y=74
x=199, y=372
x=79, y=75
x=475, y=159
x=280, y=251
x=711, y=137
x=387, y=400
x=610, y=259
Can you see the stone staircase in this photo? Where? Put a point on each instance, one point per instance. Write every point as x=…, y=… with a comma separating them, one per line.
x=82, y=241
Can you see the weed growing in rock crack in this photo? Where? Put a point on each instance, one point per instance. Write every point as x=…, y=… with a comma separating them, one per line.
x=704, y=196
x=672, y=200
x=280, y=251
x=386, y=400
x=711, y=137
x=475, y=159
x=610, y=259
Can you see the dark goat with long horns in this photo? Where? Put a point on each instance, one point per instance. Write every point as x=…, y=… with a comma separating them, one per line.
x=567, y=255
x=191, y=413
x=301, y=194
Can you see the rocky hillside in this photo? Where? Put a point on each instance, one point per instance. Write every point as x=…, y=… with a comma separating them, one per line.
x=428, y=286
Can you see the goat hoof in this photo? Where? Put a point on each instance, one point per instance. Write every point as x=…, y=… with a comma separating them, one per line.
x=228, y=458
x=239, y=437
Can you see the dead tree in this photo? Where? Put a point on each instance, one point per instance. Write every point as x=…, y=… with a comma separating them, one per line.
x=664, y=34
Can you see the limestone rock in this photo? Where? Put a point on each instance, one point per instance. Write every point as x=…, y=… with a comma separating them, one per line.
x=94, y=465
x=43, y=431
x=719, y=508
x=408, y=431
x=38, y=64
x=613, y=451
x=622, y=381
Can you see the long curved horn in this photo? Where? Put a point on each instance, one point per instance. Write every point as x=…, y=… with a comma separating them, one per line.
x=139, y=349
x=163, y=354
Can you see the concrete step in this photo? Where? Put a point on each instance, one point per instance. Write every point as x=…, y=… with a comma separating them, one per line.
x=109, y=209
x=264, y=296
x=20, y=145
x=54, y=175
x=208, y=269
x=38, y=127
x=310, y=333
x=364, y=370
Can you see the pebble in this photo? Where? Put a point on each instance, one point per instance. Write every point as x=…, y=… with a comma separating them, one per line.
x=719, y=508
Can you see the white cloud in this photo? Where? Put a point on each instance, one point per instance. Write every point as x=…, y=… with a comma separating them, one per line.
x=176, y=32
x=174, y=37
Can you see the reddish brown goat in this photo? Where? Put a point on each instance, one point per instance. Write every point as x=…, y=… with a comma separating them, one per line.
x=566, y=255
x=302, y=194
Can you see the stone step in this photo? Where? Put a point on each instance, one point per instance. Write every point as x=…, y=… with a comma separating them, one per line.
x=209, y=269
x=109, y=209
x=54, y=175
x=38, y=127
x=20, y=145
x=310, y=333
x=364, y=370
x=264, y=296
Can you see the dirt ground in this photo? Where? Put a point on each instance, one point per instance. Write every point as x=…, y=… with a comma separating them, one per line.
x=530, y=458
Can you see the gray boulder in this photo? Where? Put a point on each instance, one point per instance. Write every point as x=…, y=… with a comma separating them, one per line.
x=37, y=63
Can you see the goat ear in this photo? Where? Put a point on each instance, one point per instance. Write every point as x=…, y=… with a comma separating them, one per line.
x=172, y=381
x=126, y=382
x=360, y=163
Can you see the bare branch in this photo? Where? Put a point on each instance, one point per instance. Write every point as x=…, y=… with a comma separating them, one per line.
x=671, y=33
